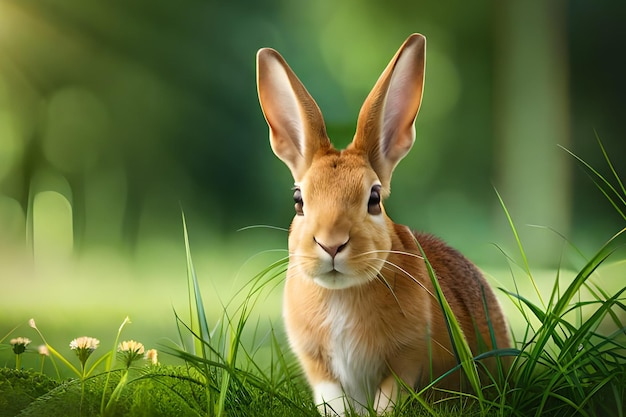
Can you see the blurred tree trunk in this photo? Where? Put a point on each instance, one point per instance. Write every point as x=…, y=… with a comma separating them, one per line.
x=531, y=118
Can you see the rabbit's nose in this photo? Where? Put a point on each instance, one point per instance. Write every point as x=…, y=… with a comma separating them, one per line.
x=332, y=250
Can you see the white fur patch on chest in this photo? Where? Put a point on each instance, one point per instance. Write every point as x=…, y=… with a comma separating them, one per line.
x=356, y=356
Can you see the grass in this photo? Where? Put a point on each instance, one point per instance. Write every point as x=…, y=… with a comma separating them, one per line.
x=564, y=365
x=569, y=357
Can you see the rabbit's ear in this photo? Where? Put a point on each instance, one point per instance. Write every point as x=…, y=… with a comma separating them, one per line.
x=297, y=130
x=386, y=124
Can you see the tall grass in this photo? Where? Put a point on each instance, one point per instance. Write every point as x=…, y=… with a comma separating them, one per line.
x=569, y=360
x=571, y=364
x=568, y=364
x=235, y=381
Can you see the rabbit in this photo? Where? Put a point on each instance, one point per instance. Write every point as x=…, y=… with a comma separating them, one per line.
x=358, y=306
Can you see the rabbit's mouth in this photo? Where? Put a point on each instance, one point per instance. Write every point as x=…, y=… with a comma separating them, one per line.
x=342, y=272
x=335, y=280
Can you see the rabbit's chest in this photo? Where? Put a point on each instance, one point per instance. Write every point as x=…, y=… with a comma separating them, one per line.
x=357, y=348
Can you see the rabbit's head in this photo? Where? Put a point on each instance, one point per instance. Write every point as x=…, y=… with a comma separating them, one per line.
x=340, y=236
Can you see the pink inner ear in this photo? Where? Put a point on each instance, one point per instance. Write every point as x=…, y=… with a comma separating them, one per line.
x=385, y=128
x=282, y=109
x=297, y=128
x=400, y=107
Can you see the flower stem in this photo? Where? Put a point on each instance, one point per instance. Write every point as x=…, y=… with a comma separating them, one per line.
x=116, y=393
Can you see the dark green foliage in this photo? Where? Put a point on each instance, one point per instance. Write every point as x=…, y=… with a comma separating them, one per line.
x=65, y=400
x=155, y=392
x=19, y=388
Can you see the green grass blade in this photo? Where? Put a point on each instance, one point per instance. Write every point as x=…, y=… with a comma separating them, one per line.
x=97, y=363
x=520, y=246
x=602, y=182
x=548, y=331
x=115, y=395
x=581, y=334
x=608, y=197
x=610, y=164
x=199, y=312
x=10, y=332
x=65, y=361
x=109, y=364
x=54, y=363
x=516, y=302
x=604, y=252
x=459, y=343
x=537, y=311
x=594, y=292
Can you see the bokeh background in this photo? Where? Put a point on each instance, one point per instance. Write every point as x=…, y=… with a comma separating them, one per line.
x=115, y=115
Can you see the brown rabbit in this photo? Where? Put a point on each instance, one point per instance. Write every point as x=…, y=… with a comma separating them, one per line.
x=358, y=304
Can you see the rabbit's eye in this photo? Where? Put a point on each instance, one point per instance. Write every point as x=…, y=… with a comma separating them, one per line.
x=297, y=198
x=373, y=205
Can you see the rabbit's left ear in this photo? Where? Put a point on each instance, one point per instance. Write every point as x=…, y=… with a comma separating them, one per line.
x=386, y=124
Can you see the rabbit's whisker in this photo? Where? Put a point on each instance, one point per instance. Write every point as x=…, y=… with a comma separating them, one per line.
x=391, y=252
x=388, y=265
x=448, y=351
x=390, y=288
x=387, y=262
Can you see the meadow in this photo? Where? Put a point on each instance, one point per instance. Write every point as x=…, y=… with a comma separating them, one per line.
x=115, y=115
x=222, y=351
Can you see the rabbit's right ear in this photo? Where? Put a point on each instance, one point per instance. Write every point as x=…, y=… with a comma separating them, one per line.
x=385, y=128
x=297, y=130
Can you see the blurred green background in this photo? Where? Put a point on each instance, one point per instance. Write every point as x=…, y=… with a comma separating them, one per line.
x=115, y=114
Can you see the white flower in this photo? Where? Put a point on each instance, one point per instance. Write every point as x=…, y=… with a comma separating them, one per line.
x=24, y=341
x=84, y=342
x=131, y=346
x=130, y=351
x=19, y=344
x=84, y=346
x=43, y=350
x=151, y=355
x=32, y=324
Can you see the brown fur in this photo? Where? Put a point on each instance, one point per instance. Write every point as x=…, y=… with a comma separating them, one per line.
x=359, y=307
